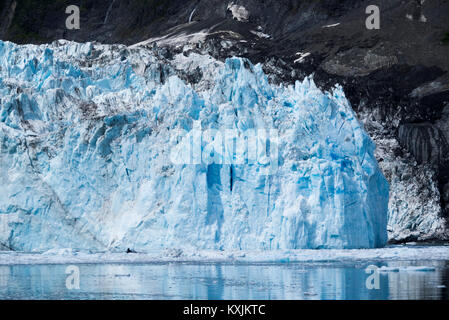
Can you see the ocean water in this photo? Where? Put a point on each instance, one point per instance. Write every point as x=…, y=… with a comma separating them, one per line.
x=246, y=281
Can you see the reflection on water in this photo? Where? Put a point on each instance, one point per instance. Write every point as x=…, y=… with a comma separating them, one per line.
x=224, y=281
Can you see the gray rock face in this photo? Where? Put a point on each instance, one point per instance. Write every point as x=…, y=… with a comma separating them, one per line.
x=425, y=141
x=415, y=211
x=7, y=15
x=396, y=78
x=357, y=62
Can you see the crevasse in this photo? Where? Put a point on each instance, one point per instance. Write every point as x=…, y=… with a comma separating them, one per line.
x=87, y=134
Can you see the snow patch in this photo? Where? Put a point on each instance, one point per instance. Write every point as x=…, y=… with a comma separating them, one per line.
x=238, y=12
x=302, y=57
x=191, y=15
x=175, y=40
x=332, y=25
x=260, y=34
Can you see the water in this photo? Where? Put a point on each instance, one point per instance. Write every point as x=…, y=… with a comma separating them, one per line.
x=226, y=281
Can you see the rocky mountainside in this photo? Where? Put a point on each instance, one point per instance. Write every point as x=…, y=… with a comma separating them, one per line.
x=396, y=78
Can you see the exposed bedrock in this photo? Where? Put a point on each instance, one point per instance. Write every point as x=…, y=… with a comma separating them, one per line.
x=425, y=141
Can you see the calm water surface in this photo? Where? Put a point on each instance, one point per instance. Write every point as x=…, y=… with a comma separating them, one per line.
x=225, y=281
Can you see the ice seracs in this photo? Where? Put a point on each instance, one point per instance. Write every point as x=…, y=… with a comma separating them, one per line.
x=86, y=133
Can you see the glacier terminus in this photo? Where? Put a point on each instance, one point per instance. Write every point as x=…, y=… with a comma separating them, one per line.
x=89, y=142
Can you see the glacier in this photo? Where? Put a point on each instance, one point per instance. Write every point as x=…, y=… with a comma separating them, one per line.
x=89, y=143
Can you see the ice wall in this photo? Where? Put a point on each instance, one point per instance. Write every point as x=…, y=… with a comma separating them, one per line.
x=93, y=155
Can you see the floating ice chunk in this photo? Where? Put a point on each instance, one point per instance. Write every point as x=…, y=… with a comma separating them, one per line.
x=60, y=252
x=407, y=269
x=194, y=255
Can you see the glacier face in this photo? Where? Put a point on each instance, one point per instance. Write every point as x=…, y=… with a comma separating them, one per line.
x=91, y=158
